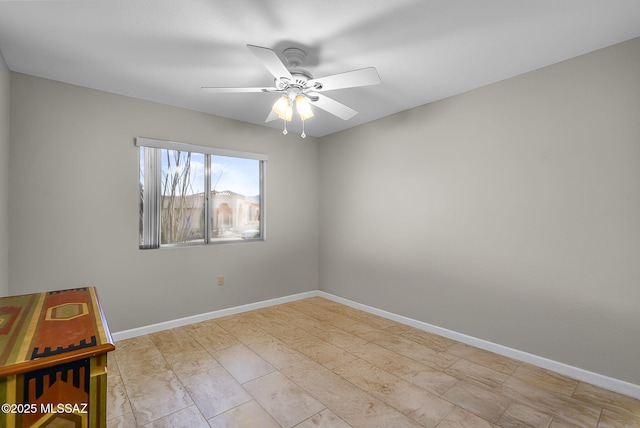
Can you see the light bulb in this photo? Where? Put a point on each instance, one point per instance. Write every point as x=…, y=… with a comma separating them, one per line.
x=304, y=107
x=282, y=108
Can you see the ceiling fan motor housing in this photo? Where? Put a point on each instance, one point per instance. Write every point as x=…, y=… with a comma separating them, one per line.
x=294, y=56
x=298, y=85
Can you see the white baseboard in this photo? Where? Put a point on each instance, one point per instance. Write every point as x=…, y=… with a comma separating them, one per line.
x=153, y=328
x=606, y=382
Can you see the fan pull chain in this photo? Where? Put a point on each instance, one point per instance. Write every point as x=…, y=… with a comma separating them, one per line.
x=285, y=132
x=303, y=135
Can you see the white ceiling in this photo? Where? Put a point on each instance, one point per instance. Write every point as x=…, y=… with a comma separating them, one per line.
x=424, y=50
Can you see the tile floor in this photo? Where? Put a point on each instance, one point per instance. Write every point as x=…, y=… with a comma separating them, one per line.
x=316, y=363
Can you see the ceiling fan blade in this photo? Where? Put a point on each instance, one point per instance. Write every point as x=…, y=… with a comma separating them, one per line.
x=332, y=106
x=271, y=61
x=350, y=79
x=232, y=90
x=272, y=116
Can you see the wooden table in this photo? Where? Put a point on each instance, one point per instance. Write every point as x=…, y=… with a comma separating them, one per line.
x=53, y=359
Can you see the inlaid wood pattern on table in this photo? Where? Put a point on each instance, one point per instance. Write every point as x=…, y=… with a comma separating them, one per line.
x=53, y=352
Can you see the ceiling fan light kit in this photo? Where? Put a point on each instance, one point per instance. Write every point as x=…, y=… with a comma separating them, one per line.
x=304, y=107
x=298, y=86
x=283, y=108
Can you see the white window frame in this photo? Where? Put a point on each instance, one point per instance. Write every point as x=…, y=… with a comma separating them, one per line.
x=152, y=180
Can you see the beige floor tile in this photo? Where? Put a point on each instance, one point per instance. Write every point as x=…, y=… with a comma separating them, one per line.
x=419, y=405
x=416, y=351
x=196, y=364
x=273, y=325
x=433, y=341
x=383, y=358
x=338, y=338
x=273, y=317
x=556, y=404
x=291, y=334
x=460, y=418
x=310, y=324
x=212, y=337
x=324, y=419
x=176, y=344
x=518, y=415
x=419, y=374
x=186, y=418
x=285, y=401
x=276, y=353
x=611, y=419
x=484, y=358
x=133, y=344
x=265, y=317
x=379, y=335
x=370, y=320
x=610, y=400
x=317, y=349
x=243, y=329
x=152, y=397
x=117, y=399
x=242, y=363
x=427, y=378
x=249, y=414
x=560, y=423
x=134, y=350
x=350, y=403
x=112, y=364
x=347, y=324
x=342, y=310
x=546, y=380
x=340, y=360
x=323, y=314
x=124, y=421
x=215, y=392
x=145, y=362
x=475, y=373
x=397, y=328
x=478, y=400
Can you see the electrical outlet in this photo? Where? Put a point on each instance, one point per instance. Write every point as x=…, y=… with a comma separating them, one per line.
x=221, y=280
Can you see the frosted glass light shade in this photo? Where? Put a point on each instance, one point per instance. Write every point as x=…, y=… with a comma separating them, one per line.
x=304, y=107
x=283, y=108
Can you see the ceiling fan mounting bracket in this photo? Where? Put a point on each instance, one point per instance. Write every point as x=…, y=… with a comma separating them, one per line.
x=294, y=56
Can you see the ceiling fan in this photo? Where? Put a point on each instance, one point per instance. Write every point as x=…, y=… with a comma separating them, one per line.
x=299, y=87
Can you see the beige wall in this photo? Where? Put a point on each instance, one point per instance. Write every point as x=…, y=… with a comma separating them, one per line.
x=74, y=207
x=510, y=213
x=5, y=85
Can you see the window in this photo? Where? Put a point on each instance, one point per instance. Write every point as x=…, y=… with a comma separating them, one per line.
x=193, y=195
